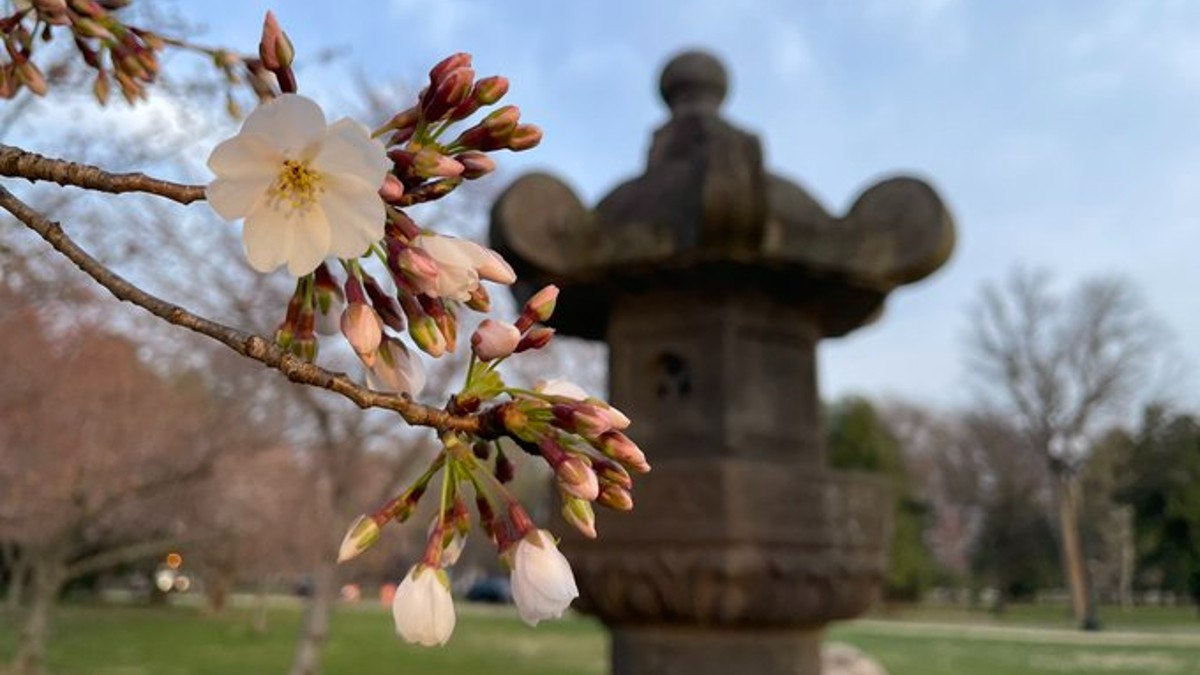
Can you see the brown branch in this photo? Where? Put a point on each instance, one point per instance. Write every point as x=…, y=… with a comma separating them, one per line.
x=485, y=424
x=18, y=163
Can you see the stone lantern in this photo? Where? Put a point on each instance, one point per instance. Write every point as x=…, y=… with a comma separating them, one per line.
x=712, y=280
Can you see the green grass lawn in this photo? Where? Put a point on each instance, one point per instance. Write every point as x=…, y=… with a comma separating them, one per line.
x=122, y=640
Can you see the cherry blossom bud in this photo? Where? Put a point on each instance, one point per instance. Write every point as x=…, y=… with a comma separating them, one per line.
x=275, y=49
x=525, y=137
x=490, y=89
x=392, y=190
x=576, y=477
x=543, y=585
x=611, y=472
x=404, y=119
x=492, y=132
x=494, y=340
x=386, y=305
x=479, y=300
x=363, y=330
x=541, y=305
x=101, y=88
x=396, y=370
x=29, y=75
x=579, y=513
x=414, y=267
x=475, y=164
x=363, y=533
x=429, y=163
x=493, y=267
x=618, y=446
x=536, y=338
x=426, y=334
x=615, y=497
x=453, y=90
x=581, y=418
x=422, y=608
x=448, y=64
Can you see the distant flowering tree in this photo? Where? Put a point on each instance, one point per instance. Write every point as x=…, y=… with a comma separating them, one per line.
x=327, y=201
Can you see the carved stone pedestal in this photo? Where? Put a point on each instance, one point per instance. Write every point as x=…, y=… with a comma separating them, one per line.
x=659, y=650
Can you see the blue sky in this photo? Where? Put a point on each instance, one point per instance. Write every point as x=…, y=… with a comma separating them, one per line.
x=1061, y=134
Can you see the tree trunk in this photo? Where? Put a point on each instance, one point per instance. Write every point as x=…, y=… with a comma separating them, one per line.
x=47, y=578
x=314, y=627
x=18, y=575
x=1072, y=550
x=258, y=623
x=217, y=591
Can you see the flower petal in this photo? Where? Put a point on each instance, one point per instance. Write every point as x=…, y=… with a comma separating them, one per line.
x=290, y=123
x=267, y=236
x=234, y=198
x=349, y=149
x=310, y=241
x=245, y=155
x=356, y=214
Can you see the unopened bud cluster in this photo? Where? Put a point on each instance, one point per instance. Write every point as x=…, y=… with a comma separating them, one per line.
x=429, y=159
x=582, y=440
x=117, y=52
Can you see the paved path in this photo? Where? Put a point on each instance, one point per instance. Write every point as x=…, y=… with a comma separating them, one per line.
x=1029, y=634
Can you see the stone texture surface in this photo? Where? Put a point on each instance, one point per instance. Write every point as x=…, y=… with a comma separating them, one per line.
x=713, y=282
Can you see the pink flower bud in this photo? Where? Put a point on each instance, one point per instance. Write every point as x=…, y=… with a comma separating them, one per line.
x=396, y=370
x=363, y=330
x=615, y=497
x=493, y=267
x=524, y=137
x=577, y=478
x=475, y=164
x=392, y=189
x=581, y=418
x=480, y=301
x=540, y=307
x=413, y=266
x=618, y=446
x=449, y=93
x=426, y=334
x=490, y=89
x=611, y=472
x=536, y=338
x=448, y=64
x=579, y=513
x=494, y=340
x=275, y=49
x=429, y=163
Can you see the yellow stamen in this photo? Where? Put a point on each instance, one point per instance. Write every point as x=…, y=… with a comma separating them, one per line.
x=297, y=186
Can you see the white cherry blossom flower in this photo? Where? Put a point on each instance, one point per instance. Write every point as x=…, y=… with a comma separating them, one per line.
x=543, y=585
x=306, y=189
x=422, y=607
x=461, y=264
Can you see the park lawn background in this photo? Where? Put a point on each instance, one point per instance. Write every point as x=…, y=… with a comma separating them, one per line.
x=1029, y=640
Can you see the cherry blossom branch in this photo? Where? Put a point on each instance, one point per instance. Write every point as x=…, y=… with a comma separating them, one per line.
x=18, y=163
x=486, y=424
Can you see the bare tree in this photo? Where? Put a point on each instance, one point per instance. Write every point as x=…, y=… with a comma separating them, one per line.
x=1061, y=365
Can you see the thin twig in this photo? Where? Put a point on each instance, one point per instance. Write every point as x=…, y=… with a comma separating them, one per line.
x=18, y=163
x=484, y=424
